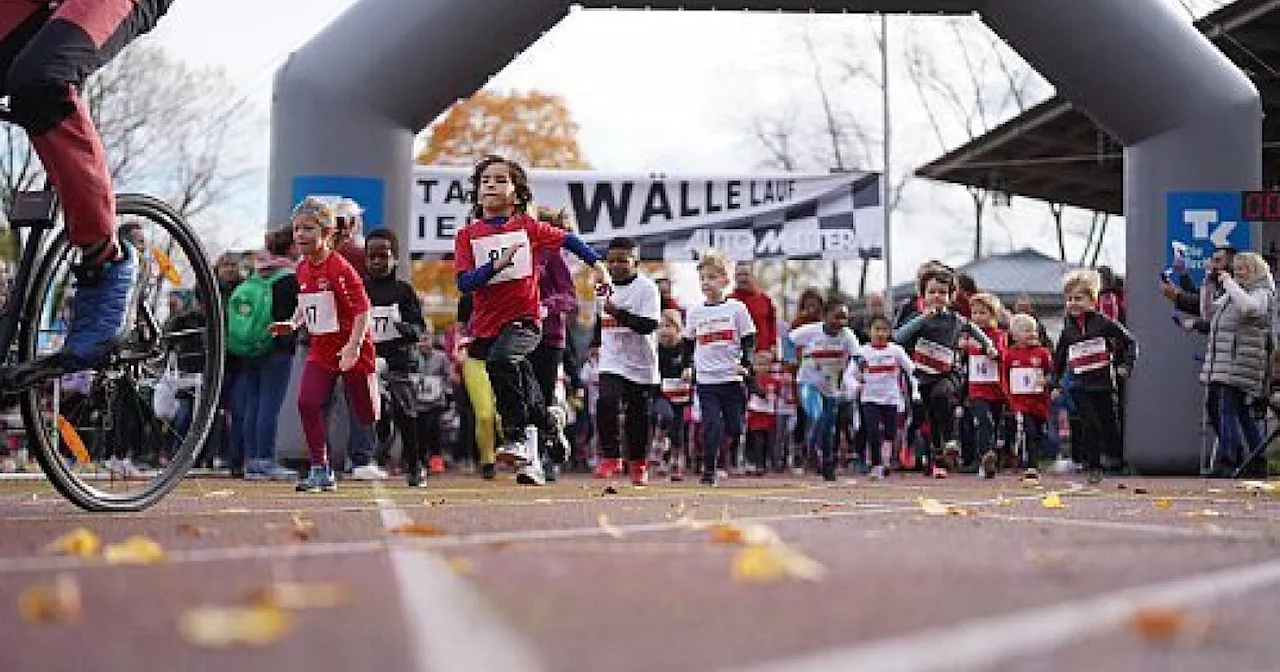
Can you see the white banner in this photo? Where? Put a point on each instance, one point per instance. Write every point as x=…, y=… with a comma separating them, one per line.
x=748, y=217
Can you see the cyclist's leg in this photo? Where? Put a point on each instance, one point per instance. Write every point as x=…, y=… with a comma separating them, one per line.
x=41, y=81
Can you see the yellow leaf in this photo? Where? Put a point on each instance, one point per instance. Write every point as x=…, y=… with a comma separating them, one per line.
x=55, y=603
x=167, y=268
x=418, y=530
x=932, y=507
x=1001, y=500
x=80, y=542
x=72, y=438
x=292, y=596
x=769, y=563
x=461, y=565
x=217, y=627
x=1162, y=503
x=219, y=494
x=609, y=528
x=1052, y=501
x=135, y=550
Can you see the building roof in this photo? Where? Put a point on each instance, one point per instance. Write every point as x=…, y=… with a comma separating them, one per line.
x=1055, y=153
x=1012, y=274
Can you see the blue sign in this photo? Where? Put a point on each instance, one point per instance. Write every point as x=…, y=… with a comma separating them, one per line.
x=1199, y=223
x=367, y=191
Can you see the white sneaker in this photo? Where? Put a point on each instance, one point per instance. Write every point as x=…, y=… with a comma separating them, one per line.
x=510, y=452
x=531, y=445
x=124, y=468
x=368, y=472
x=877, y=473
x=531, y=474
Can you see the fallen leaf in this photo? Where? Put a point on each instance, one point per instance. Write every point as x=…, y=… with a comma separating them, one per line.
x=1052, y=501
x=1256, y=486
x=751, y=534
x=193, y=530
x=304, y=529
x=932, y=507
x=723, y=533
x=609, y=528
x=136, y=550
x=293, y=596
x=1001, y=500
x=461, y=565
x=218, y=627
x=56, y=603
x=80, y=542
x=1204, y=513
x=769, y=563
x=418, y=530
x=1159, y=623
x=1162, y=503
x=220, y=494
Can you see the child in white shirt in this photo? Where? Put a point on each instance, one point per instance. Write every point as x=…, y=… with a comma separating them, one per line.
x=878, y=368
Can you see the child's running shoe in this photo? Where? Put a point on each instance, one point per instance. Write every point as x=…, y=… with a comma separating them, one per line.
x=413, y=476
x=368, y=472
x=990, y=465
x=639, y=472
x=319, y=479
x=829, y=472
x=559, y=441
x=877, y=473
x=608, y=467
x=531, y=474
x=1031, y=474
x=488, y=471
x=708, y=478
x=436, y=464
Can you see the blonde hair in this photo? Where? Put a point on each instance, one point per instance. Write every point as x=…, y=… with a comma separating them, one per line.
x=673, y=316
x=714, y=260
x=318, y=210
x=990, y=301
x=1022, y=323
x=1083, y=279
x=1259, y=270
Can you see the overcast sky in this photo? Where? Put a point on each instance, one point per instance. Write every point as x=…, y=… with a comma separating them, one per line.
x=685, y=62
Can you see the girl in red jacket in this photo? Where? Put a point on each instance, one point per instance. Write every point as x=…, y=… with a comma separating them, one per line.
x=985, y=394
x=1024, y=369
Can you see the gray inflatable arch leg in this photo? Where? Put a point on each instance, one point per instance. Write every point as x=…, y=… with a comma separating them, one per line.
x=347, y=105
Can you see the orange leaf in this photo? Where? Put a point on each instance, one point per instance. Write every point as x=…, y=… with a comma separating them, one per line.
x=72, y=438
x=418, y=530
x=722, y=533
x=80, y=542
x=52, y=603
x=1158, y=623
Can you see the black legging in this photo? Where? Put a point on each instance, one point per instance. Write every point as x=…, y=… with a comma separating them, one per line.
x=631, y=398
x=1101, y=428
x=939, y=399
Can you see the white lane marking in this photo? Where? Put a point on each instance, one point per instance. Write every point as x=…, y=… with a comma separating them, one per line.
x=983, y=642
x=452, y=628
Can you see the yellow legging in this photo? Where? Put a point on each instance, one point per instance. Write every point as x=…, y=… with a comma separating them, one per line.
x=476, y=378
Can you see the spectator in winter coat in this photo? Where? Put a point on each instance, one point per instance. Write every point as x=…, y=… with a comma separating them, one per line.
x=759, y=306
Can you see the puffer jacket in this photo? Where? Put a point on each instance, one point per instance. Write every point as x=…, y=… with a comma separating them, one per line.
x=1237, y=352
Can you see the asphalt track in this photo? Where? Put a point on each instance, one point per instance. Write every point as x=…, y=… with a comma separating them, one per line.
x=1133, y=574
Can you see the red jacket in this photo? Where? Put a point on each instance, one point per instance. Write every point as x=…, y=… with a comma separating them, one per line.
x=984, y=374
x=1026, y=392
x=760, y=306
x=762, y=412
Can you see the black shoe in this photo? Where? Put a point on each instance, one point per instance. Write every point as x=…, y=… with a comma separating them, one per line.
x=413, y=476
x=829, y=472
x=708, y=478
x=550, y=471
x=488, y=471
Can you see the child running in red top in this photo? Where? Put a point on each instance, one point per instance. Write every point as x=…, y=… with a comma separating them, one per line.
x=334, y=307
x=493, y=260
x=763, y=403
x=985, y=394
x=1024, y=370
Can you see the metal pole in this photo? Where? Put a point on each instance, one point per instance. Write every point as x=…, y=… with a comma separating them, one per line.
x=884, y=177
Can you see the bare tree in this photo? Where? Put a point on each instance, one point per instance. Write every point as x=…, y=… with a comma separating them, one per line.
x=169, y=129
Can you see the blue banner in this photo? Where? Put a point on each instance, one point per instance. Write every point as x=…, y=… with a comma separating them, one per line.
x=1200, y=222
x=367, y=191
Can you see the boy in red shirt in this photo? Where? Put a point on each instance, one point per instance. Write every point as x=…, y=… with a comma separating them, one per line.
x=985, y=393
x=334, y=307
x=493, y=260
x=1024, y=368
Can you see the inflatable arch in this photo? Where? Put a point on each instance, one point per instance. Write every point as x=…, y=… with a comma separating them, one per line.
x=347, y=105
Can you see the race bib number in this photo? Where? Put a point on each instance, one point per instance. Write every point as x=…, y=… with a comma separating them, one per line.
x=489, y=248
x=676, y=390
x=982, y=370
x=319, y=312
x=1089, y=355
x=1026, y=380
x=716, y=330
x=382, y=323
x=759, y=404
x=933, y=357
x=427, y=388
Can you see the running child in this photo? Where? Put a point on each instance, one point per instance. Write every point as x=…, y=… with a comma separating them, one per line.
x=493, y=260
x=671, y=407
x=1097, y=352
x=985, y=398
x=719, y=338
x=333, y=306
x=932, y=337
x=763, y=404
x=821, y=351
x=880, y=367
x=1025, y=368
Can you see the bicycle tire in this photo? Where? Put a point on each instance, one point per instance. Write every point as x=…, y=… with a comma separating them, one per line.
x=79, y=491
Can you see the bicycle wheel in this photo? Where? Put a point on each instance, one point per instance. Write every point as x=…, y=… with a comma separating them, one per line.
x=119, y=437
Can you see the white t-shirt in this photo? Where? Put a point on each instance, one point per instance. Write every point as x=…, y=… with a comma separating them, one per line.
x=823, y=357
x=882, y=370
x=717, y=331
x=623, y=352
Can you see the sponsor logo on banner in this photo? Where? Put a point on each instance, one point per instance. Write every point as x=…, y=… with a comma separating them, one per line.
x=794, y=216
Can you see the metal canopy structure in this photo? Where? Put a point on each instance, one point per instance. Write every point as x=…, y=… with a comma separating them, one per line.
x=1055, y=153
x=347, y=105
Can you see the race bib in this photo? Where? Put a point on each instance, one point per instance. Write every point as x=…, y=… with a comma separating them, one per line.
x=933, y=357
x=489, y=248
x=427, y=388
x=982, y=370
x=759, y=404
x=716, y=330
x=319, y=312
x=1026, y=380
x=1088, y=355
x=676, y=390
x=382, y=322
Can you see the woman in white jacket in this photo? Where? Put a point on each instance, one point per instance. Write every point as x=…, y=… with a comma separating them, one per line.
x=1237, y=355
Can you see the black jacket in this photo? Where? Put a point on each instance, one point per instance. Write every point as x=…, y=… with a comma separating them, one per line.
x=401, y=352
x=1121, y=350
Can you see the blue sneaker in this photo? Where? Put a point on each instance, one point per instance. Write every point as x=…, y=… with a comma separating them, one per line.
x=320, y=479
x=101, y=310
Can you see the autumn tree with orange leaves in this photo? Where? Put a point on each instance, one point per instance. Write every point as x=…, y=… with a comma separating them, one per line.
x=533, y=128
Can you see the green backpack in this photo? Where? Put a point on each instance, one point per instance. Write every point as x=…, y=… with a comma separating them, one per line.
x=249, y=315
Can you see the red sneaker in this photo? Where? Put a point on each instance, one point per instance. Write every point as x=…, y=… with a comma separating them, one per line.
x=639, y=472
x=608, y=467
x=436, y=464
